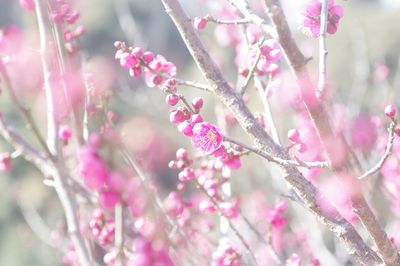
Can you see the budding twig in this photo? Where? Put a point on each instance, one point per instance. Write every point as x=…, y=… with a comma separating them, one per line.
x=388, y=151
x=277, y=160
x=252, y=68
x=227, y=21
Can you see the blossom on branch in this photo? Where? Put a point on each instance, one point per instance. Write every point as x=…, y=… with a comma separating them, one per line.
x=312, y=17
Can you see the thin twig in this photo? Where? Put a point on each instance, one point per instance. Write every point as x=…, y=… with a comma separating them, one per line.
x=52, y=127
x=271, y=250
x=252, y=68
x=36, y=223
x=388, y=151
x=25, y=111
x=119, y=234
x=295, y=163
x=262, y=91
x=193, y=84
x=323, y=50
x=227, y=21
x=58, y=172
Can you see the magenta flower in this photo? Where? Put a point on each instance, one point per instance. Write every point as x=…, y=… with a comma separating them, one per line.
x=312, y=17
x=207, y=137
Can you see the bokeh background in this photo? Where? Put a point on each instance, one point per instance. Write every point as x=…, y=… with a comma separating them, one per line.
x=368, y=40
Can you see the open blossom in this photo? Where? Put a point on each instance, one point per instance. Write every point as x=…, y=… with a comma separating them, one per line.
x=207, y=137
x=312, y=17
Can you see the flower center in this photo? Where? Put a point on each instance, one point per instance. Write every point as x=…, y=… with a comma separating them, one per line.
x=211, y=136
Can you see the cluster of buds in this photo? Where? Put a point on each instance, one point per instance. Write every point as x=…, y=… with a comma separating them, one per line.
x=275, y=216
x=63, y=14
x=150, y=253
x=156, y=69
x=226, y=255
x=210, y=176
x=101, y=228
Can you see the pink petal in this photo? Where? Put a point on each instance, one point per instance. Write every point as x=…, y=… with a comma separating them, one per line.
x=337, y=10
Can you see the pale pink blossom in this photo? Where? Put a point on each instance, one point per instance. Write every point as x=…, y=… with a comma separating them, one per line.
x=312, y=17
x=207, y=137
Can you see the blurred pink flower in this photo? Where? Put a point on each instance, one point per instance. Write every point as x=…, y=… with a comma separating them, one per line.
x=92, y=167
x=363, y=133
x=5, y=162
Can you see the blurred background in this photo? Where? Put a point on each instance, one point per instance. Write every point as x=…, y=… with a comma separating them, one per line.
x=363, y=71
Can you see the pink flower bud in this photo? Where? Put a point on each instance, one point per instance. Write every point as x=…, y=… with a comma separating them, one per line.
x=182, y=154
x=186, y=174
x=118, y=44
x=136, y=71
x=148, y=57
x=170, y=84
x=56, y=18
x=186, y=128
x=64, y=134
x=73, y=17
x=176, y=116
x=68, y=36
x=301, y=147
x=137, y=52
x=294, y=135
x=390, y=111
x=79, y=31
x=180, y=164
x=128, y=60
x=197, y=103
x=196, y=118
x=207, y=206
x=397, y=131
x=172, y=99
x=200, y=23
x=172, y=164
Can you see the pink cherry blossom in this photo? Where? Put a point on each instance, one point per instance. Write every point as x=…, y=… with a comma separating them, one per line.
x=207, y=137
x=312, y=17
